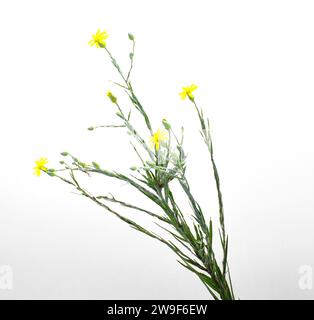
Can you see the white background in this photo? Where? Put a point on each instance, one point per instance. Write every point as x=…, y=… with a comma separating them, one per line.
x=253, y=62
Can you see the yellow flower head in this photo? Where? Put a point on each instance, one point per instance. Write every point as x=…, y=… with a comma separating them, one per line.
x=187, y=91
x=157, y=138
x=40, y=166
x=112, y=98
x=99, y=39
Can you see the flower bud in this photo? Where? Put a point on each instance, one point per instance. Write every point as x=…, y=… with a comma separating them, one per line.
x=131, y=37
x=64, y=153
x=96, y=165
x=133, y=168
x=112, y=98
x=166, y=124
x=90, y=128
x=82, y=164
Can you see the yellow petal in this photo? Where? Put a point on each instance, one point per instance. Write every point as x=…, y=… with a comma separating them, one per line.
x=183, y=95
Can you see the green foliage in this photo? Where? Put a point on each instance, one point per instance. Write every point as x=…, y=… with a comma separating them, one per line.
x=192, y=242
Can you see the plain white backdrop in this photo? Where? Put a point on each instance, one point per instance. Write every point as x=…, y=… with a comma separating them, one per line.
x=253, y=62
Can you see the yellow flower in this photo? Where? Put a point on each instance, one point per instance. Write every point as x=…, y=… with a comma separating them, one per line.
x=157, y=138
x=40, y=166
x=99, y=39
x=112, y=98
x=187, y=91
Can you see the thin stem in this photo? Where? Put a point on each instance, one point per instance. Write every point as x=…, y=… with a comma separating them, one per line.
x=207, y=138
x=127, y=205
x=129, y=88
x=131, y=58
x=106, y=126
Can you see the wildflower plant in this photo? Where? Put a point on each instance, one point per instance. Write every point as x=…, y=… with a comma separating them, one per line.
x=162, y=162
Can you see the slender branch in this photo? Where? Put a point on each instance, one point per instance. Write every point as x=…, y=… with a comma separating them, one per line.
x=127, y=205
x=132, y=59
x=106, y=126
x=207, y=138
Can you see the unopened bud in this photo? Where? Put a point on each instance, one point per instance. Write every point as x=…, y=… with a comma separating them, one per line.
x=96, y=165
x=112, y=98
x=64, y=153
x=131, y=37
x=82, y=164
x=166, y=124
